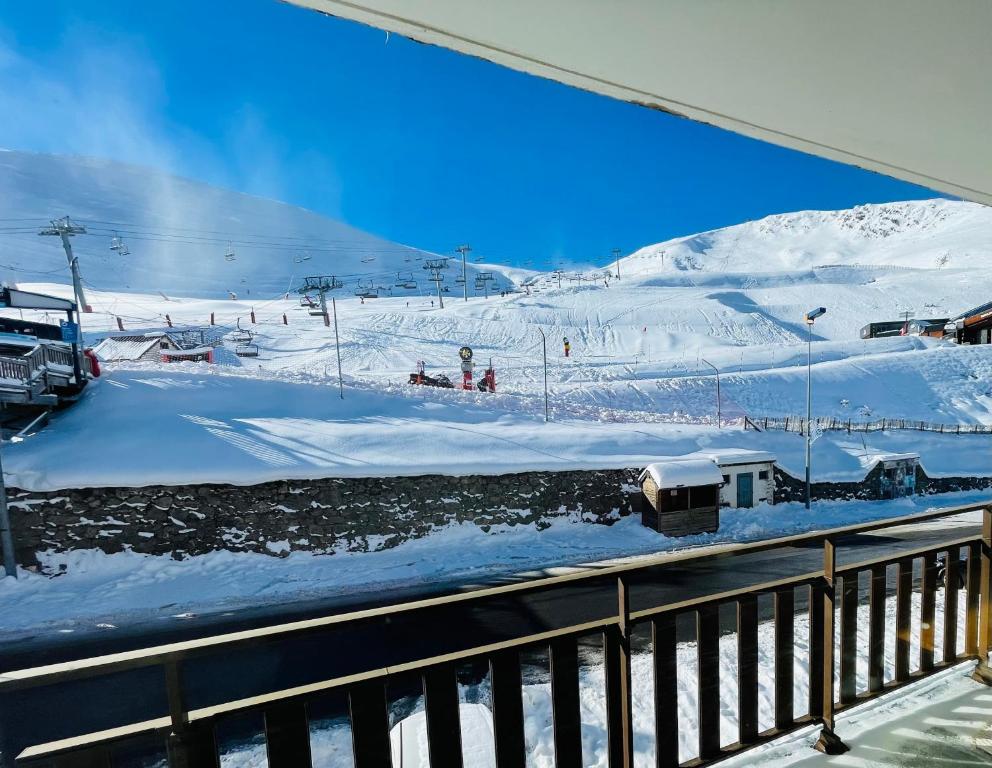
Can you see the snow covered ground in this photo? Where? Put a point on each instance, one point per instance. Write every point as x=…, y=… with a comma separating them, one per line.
x=637, y=386
x=105, y=591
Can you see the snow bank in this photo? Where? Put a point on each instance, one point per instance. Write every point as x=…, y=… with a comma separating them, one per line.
x=200, y=424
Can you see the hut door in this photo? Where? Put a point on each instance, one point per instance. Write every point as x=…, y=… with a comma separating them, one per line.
x=745, y=489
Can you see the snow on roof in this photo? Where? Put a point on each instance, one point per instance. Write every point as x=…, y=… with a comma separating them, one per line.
x=728, y=456
x=186, y=352
x=124, y=347
x=871, y=459
x=684, y=473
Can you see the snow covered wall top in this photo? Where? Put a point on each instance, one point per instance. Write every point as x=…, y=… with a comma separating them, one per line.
x=921, y=234
x=178, y=232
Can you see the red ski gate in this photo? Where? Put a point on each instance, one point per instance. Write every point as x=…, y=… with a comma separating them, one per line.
x=834, y=571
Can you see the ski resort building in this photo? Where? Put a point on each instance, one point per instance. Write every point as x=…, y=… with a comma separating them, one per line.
x=748, y=476
x=681, y=496
x=133, y=348
x=973, y=326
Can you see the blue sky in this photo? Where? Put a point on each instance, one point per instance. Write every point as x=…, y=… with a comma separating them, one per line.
x=408, y=141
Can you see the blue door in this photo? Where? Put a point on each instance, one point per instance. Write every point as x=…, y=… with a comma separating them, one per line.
x=745, y=489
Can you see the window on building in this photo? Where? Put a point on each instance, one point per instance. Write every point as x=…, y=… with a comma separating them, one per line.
x=763, y=474
x=163, y=345
x=726, y=479
x=703, y=496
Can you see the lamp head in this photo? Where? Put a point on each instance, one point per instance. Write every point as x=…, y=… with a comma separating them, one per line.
x=815, y=313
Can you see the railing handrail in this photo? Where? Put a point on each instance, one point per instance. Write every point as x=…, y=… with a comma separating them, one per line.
x=171, y=652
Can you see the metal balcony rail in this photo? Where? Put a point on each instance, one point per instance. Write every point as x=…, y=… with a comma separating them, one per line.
x=358, y=654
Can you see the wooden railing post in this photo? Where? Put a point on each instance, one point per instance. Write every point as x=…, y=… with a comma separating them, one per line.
x=828, y=743
x=983, y=673
x=619, y=703
x=188, y=746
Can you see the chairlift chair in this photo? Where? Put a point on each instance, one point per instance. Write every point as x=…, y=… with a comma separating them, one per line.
x=368, y=259
x=229, y=254
x=248, y=349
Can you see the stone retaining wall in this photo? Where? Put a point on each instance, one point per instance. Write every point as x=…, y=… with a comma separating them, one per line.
x=315, y=515
x=355, y=514
x=789, y=488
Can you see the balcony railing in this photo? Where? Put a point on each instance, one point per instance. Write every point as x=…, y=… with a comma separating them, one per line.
x=359, y=655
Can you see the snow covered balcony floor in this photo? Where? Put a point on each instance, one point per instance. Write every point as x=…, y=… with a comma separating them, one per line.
x=943, y=721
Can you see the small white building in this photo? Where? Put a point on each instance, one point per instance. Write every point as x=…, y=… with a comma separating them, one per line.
x=748, y=476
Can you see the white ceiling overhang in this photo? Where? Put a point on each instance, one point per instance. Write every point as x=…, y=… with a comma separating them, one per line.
x=902, y=87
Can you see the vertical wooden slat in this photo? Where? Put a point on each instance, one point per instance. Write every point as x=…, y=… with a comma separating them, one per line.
x=904, y=604
x=952, y=574
x=747, y=668
x=287, y=735
x=508, y=709
x=849, y=638
x=369, y=714
x=815, y=650
x=973, y=598
x=983, y=672
x=708, y=671
x=188, y=745
x=564, y=654
x=828, y=742
x=194, y=747
x=444, y=738
x=928, y=611
x=614, y=708
x=785, y=613
x=876, y=629
x=616, y=657
x=666, y=712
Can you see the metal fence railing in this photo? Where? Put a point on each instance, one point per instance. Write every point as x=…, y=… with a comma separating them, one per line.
x=798, y=424
x=359, y=655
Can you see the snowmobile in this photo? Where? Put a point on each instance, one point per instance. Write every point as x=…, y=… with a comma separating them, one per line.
x=431, y=381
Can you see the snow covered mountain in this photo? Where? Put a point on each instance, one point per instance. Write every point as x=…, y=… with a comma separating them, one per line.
x=927, y=234
x=179, y=234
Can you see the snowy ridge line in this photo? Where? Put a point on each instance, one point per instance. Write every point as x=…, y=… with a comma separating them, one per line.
x=798, y=424
x=707, y=722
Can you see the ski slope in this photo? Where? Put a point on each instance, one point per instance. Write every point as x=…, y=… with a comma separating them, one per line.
x=179, y=232
x=644, y=348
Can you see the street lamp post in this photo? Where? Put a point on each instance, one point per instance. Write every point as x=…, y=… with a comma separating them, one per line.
x=810, y=319
x=719, y=419
x=544, y=351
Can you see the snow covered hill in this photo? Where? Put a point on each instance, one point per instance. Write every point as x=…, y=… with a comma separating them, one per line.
x=179, y=233
x=928, y=234
x=643, y=348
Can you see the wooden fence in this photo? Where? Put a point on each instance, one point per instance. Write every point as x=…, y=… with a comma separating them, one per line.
x=798, y=424
x=189, y=734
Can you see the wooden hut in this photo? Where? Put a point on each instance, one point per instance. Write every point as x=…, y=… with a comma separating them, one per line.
x=681, y=497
